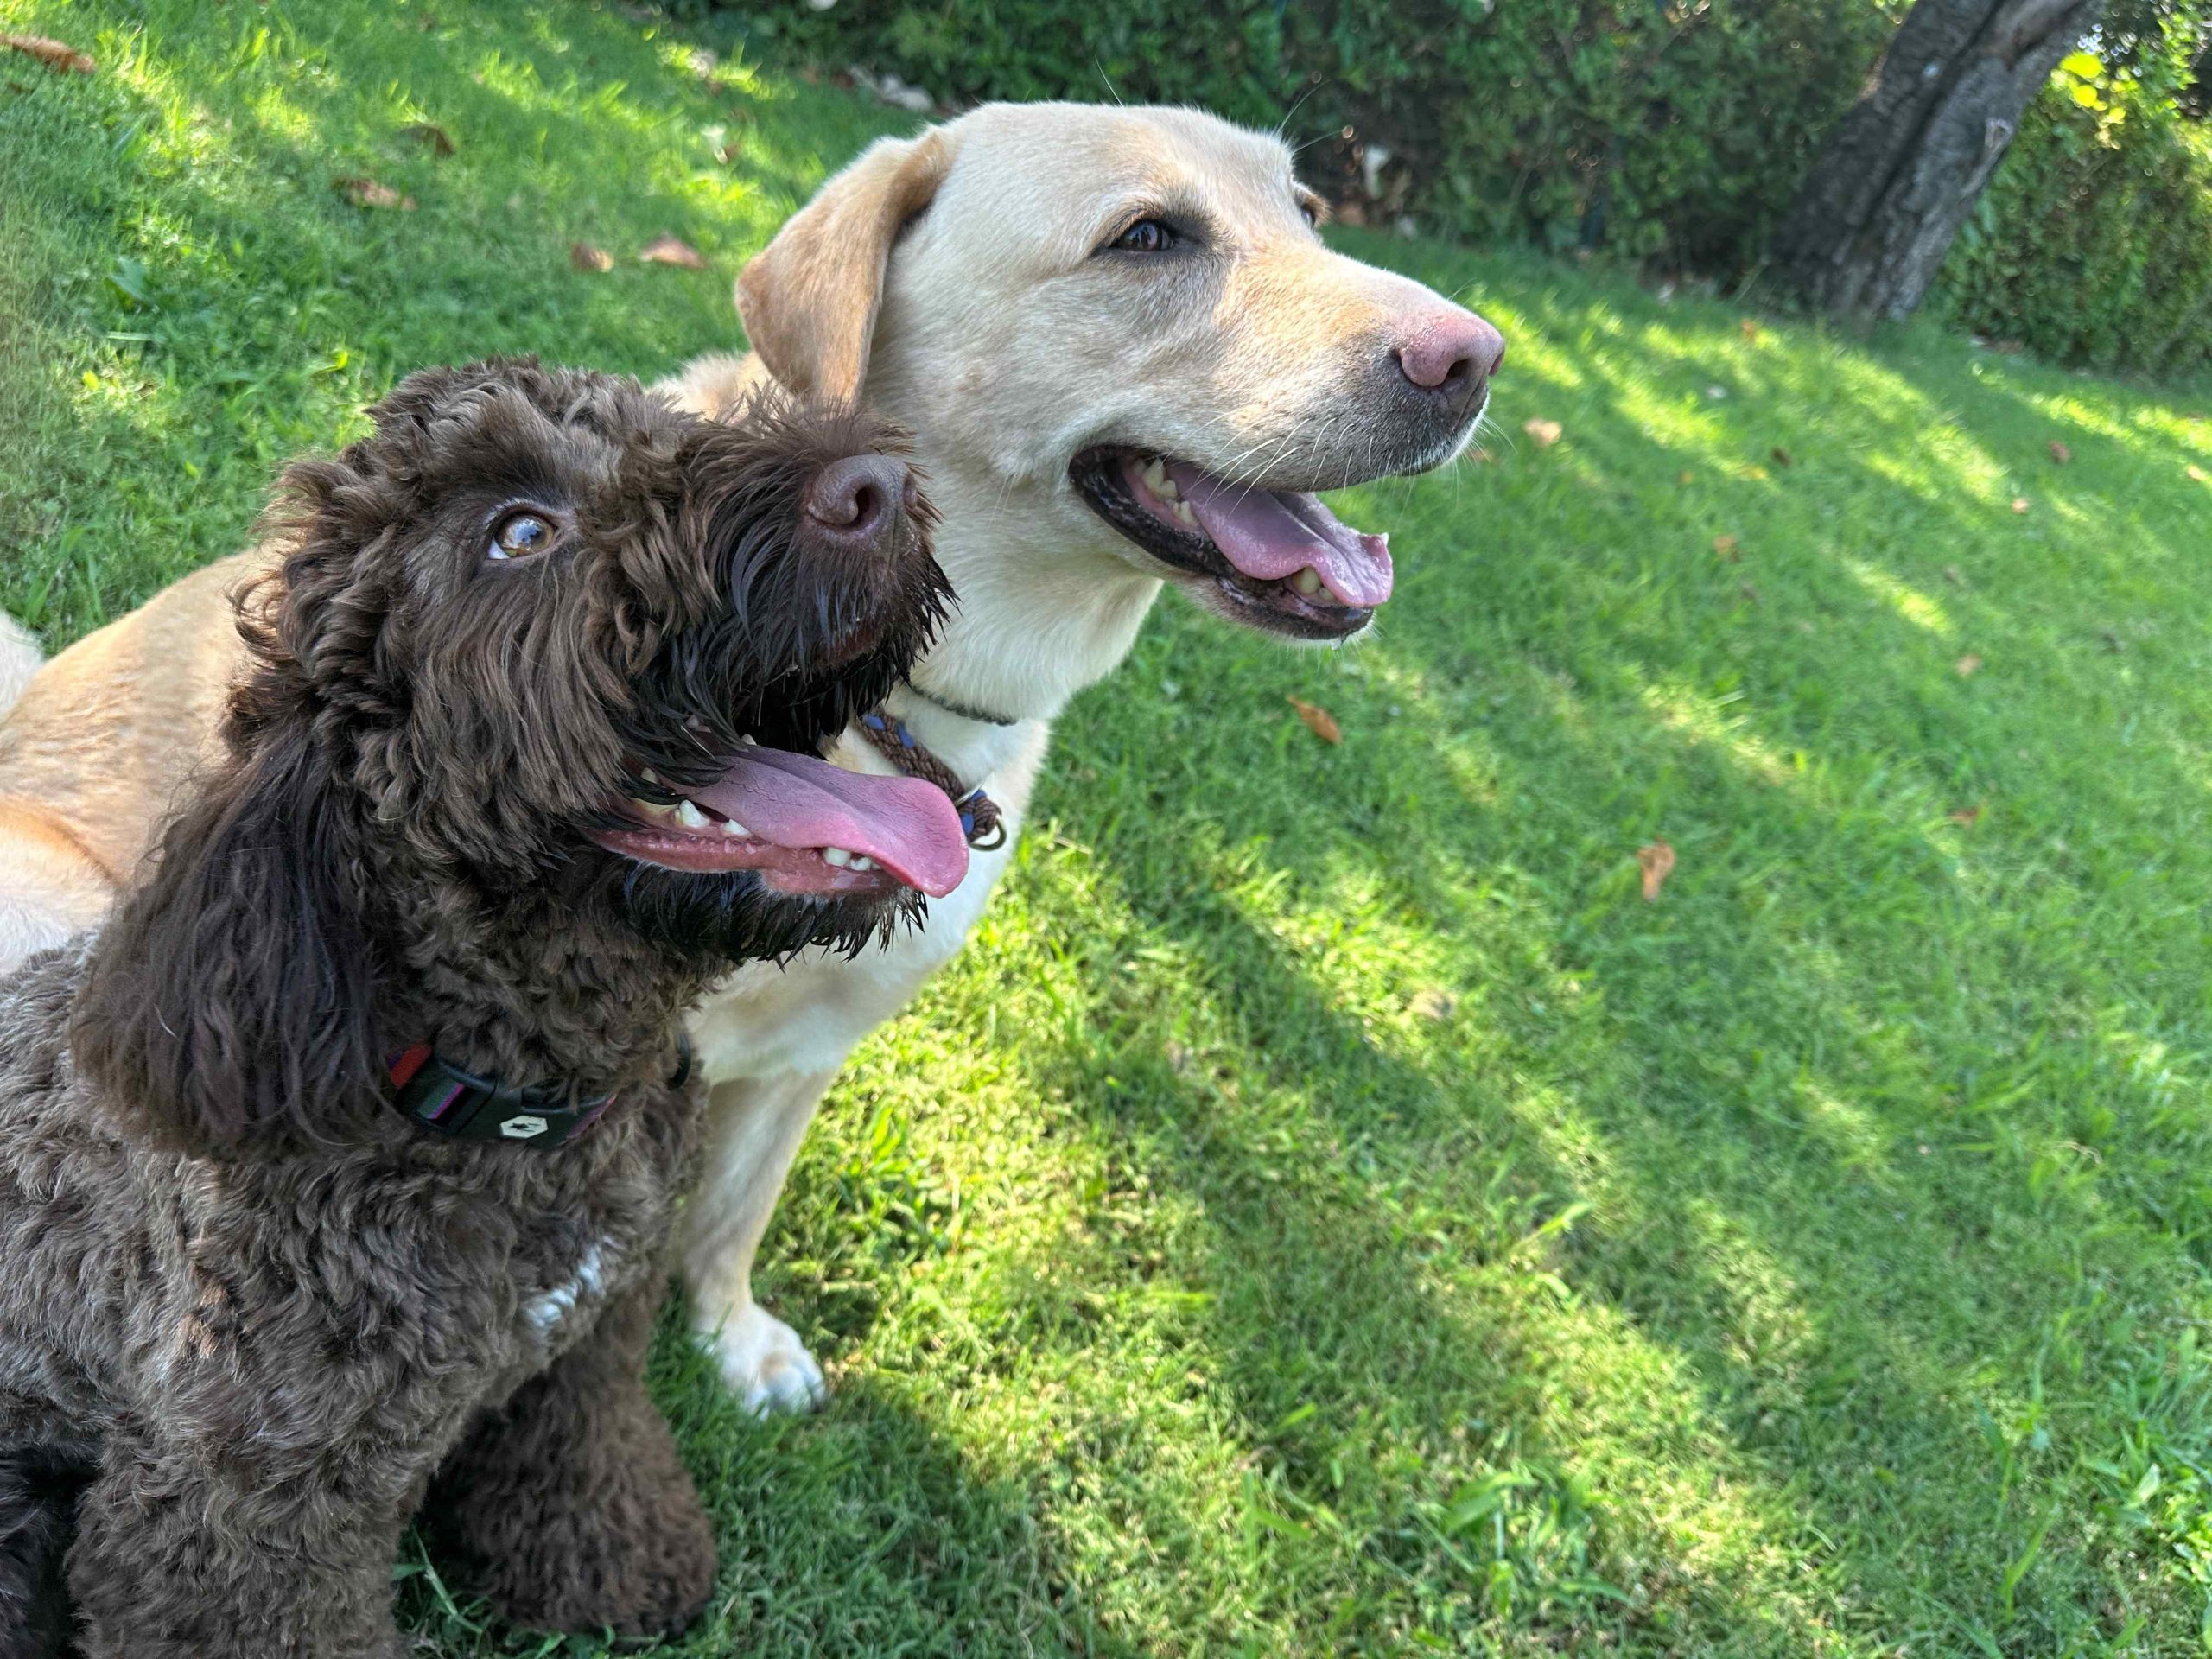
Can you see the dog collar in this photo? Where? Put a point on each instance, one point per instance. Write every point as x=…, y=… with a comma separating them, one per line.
x=980, y=821
x=440, y=1096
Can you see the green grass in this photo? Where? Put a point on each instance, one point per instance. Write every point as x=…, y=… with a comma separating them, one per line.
x=1327, y=1210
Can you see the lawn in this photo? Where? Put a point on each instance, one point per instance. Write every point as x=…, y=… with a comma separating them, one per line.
x=1329, y=1209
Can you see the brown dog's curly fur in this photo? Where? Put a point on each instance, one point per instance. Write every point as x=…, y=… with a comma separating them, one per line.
x=253, y=1312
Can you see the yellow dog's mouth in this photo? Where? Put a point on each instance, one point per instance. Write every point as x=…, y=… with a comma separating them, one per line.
x=1286, y=562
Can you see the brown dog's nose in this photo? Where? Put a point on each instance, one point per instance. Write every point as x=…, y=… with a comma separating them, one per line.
x=862, y=502
x=1454, y=354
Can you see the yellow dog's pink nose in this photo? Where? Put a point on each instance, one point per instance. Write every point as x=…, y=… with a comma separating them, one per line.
x=1454, y=354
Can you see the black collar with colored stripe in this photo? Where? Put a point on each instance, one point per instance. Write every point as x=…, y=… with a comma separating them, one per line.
x=440, y=1096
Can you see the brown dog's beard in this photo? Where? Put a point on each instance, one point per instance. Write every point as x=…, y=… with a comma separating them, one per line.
x=715, y=921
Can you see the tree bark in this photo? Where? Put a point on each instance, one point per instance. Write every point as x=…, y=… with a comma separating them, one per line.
x=1901, y=172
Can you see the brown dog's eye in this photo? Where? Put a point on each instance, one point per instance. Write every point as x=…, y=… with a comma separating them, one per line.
x=519, y=535
x=1146, y=236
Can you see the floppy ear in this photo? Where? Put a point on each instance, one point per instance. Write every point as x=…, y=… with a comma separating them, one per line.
x=228, y=1004
x=809, y=299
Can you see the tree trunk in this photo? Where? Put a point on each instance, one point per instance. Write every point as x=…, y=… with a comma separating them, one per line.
x=1901, y=172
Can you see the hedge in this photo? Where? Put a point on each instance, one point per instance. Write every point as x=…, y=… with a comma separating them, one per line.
x=2093, y=243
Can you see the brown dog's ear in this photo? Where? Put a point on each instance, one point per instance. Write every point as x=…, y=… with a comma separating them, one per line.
x=809, y=299
x=228, y=1004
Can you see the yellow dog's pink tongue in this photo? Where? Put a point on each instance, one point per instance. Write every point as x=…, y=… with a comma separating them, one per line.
x=906, y=824
x=1269, y=535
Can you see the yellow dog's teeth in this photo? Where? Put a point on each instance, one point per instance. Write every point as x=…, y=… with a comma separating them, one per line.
x=1307, y=581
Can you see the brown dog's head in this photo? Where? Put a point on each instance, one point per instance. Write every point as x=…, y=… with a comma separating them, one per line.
x=541, y=655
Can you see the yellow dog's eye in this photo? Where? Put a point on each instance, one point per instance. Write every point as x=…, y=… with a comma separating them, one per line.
x=519, y=535
x=1146, y=236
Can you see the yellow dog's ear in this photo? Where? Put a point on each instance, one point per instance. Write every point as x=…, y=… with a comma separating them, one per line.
x=809, y=299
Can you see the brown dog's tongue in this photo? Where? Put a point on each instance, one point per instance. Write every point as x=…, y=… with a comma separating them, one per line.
x=907, y=825
x=1271, y=534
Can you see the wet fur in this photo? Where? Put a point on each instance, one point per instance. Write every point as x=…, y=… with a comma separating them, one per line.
x=255, y=1314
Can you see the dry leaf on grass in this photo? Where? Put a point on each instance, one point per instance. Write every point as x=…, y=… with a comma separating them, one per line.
x=429, y=132
x=61, y=59
x=1657, y=863
x=1953, y=575
x=368, y=193
x=1726, y=547
x=1546, y=433
x=668, y=251
x=2060, y=453
x=1319, y=720
x=1750, y=330
x=1967, y=666
x=1965, y=814
x=1781, y=456
x=1687, y=477
x=2019, y=504
x=1432, y=1004
x=584, y=256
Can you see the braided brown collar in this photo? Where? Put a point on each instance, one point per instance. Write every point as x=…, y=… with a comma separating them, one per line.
x=980, y=819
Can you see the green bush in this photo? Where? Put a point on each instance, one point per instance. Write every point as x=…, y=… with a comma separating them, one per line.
x=2094, y=242
x=1671, y=130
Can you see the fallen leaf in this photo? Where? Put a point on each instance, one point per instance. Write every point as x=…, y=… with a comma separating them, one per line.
x=1967, y=666
x=1546, y=433
x=584, y=256
x=62, y=59
x=1953, y=575
x=1967, y=815
x=2060, y=453
x=1319, y=720
x=1432, y=1004
x=368, y=193
x=2199, y=473
x=1750, y=330
x=1687, y=477
x=2113, y=641
x=2019, y=504
x=1726, y=547
x=668, y=251
x=1657, y=863
x=429, y=133
x=1781, y=456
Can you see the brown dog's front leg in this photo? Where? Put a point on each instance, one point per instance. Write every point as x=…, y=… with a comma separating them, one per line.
x=172, y=1560
x=569, y=1506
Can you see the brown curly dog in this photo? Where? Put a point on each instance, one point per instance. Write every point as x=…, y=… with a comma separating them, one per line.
x=335, y=1172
